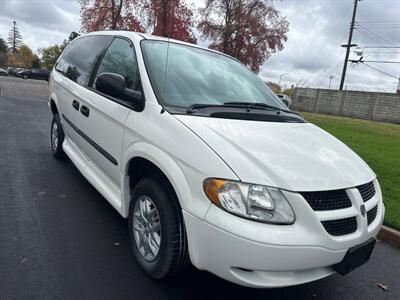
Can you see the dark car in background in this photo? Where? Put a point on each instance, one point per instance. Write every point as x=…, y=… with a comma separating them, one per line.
x=3, y=72
x=35, y=74
x=14, y=71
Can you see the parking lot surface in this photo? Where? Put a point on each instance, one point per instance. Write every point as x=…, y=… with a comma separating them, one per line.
x=60, y=239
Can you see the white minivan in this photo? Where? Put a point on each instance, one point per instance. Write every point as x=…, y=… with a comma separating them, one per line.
x=208, y=165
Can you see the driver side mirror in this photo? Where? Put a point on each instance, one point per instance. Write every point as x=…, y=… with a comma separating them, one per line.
x=113, y=85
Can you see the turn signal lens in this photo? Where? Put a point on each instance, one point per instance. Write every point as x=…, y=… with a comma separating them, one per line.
x=212, y=187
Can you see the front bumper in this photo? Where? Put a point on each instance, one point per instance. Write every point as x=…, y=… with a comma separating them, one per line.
x=262, y=255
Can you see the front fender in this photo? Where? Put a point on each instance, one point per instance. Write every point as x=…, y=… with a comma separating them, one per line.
x=176, y=172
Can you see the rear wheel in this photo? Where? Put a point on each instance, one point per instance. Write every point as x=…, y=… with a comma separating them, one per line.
x=25, y=76
x=156, y=228
x=57, y=138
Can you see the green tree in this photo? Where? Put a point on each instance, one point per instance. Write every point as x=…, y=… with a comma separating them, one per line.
x=274, y=87
x=289, y=91
x=50, y=55
x=36, y=63
x=25, y=56
x=14, y=39
x=3, y=53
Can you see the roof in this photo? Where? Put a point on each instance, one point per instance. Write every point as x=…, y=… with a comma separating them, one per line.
x=144, y=36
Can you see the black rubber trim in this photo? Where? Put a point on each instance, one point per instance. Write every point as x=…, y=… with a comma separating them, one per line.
x=91, y=142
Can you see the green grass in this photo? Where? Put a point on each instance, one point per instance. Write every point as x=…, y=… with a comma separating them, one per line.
x=379, y=145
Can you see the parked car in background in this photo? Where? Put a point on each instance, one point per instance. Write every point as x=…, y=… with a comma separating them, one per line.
x=34, y=74
x=285, y=99
x=3, y=72
x=14, y=71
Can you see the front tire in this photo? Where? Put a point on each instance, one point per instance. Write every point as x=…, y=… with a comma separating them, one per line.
x=57, y=138
x=156, y=229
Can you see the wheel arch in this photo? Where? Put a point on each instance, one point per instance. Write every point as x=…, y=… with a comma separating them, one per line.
x=143, y=160
x=53, y=104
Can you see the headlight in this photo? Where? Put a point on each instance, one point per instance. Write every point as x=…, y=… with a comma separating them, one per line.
x=250, y=201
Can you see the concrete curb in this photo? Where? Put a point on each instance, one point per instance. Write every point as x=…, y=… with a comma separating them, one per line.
x=390, y=235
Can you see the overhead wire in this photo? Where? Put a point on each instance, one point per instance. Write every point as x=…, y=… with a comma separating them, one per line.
x=376, y=69
x=305, y=79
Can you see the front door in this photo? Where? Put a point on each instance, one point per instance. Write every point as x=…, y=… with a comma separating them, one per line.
x=104, y=116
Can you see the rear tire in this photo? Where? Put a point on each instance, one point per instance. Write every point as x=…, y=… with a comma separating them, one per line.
x=57, y=138
x=25, y=76
x=172, y=256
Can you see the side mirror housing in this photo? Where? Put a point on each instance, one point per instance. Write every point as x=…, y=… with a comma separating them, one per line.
x=113, y=85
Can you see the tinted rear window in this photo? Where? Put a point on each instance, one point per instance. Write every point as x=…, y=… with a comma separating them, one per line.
x=79, y=59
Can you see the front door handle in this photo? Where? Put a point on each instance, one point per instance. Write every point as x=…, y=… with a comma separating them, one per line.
x=75, y=104
x=85, y=110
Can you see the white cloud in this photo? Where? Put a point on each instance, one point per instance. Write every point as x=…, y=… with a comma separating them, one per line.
x=312, y=53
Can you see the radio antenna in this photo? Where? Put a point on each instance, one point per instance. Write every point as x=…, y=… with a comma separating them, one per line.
x=168, y=16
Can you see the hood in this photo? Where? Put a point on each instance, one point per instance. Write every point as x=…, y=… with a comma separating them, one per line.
x=291, y=156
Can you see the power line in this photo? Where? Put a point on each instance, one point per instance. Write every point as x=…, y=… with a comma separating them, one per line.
x=375, y=40
x=380, y=47
x=383, y=72
x=380, y=22
x=319, y=75
x=378, y=36
x=383, y=61
x=307, y=78
x=380, y=27
x=379, y=52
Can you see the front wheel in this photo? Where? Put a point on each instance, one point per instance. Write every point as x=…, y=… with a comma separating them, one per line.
x=156, y=229
x=57, y=137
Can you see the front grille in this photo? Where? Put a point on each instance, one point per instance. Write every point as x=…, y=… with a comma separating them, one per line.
x=340, y=226
x=371, y=214
x=367, y=191
x=327, y=200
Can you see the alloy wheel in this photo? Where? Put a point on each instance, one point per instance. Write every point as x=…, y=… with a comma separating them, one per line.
x=147, y=228
x=54, y=136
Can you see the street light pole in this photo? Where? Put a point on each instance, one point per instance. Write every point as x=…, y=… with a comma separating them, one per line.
x=330, y=80
x=280, y=78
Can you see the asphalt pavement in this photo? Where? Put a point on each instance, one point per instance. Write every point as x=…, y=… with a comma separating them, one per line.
x=60, y=239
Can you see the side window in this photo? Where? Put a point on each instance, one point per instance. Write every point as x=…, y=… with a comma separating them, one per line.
x=81, y=56
x=120, y=59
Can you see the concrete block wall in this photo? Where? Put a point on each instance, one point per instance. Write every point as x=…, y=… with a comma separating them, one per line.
x=383, y=107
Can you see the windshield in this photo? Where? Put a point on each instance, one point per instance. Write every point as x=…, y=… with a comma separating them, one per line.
x=197, y=76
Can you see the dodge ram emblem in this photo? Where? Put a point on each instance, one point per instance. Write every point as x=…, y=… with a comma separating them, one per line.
x=362, y=209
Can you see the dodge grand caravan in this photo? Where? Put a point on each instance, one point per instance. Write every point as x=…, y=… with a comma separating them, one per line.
x=208, y=165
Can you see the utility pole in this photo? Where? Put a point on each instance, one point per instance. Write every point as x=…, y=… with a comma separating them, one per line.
x=349, y=45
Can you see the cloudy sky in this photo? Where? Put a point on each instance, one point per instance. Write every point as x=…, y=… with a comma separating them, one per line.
x=311, y=55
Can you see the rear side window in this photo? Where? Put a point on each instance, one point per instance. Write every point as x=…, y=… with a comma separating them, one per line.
x=81, y=56
x=120, y=58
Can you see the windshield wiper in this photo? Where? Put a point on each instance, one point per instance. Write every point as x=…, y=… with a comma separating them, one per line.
x=256, y=105
x=259, y=105
x=192, y=107
x=247, y=105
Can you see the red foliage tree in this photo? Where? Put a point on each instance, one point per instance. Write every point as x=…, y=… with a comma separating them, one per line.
x=109, y=14
x=249, y=30
x=171, y=18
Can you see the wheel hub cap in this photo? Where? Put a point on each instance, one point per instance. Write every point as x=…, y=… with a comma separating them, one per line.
x=146, y=228
x=54, y=136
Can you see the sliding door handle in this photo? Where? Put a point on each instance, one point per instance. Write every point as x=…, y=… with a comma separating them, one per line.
x=85, y=111
x=75, y=104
